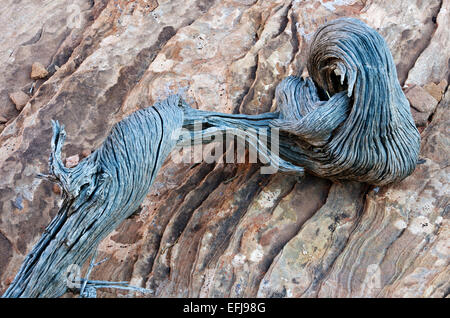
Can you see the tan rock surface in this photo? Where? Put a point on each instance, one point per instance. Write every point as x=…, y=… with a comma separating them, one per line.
x=38, y=71
x=423, y=104
x=38, y=31
x=19, y=99
x=215, y=230
x=432, y=65
x=436, y=90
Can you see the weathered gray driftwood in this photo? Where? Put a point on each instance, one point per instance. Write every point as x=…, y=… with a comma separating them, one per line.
x=100, y=192
x=364, y=131
x=350, y=120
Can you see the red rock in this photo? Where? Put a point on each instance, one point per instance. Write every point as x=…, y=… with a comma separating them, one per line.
x=47, y=33
x=420, y=119
x=38, y=71
x=436, y=90
x=432, y=63
x=421, y=100
x=20, y=99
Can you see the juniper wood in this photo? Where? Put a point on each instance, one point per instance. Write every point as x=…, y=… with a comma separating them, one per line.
x=349, y=120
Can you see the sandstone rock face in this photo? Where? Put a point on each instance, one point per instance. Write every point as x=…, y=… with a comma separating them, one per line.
x=220, y=229
x=422, y=103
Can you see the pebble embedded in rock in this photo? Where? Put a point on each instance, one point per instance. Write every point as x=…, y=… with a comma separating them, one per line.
x=38, y=71
x=56, y=189
x=421, y=100
x=20, y=99
x=72, y=161
x=436, y=90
